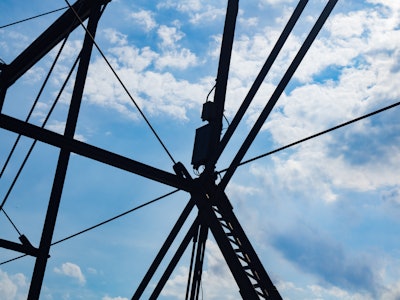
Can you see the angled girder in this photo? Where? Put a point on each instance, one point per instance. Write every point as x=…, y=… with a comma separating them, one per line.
x=212, y=202
x=219, y=148
x=215, y=210
x=92, y=152
x=64, y=156
x=223, y=68
x=66, y=23
x=25, y=246
x=278, y=91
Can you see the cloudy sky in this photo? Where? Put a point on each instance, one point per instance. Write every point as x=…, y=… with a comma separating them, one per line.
x=323, y=215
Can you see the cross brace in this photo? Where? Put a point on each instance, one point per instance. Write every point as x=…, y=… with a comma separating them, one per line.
x=216, y=214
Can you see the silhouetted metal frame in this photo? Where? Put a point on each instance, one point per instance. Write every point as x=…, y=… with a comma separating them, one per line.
x=63, y=159
x=223, y=68
x=278, y=91
x=66, y=23
x=202, y=191
x=256, y=85
x=95, y=153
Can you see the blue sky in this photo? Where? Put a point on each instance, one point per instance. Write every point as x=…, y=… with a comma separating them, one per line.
x=323, y=216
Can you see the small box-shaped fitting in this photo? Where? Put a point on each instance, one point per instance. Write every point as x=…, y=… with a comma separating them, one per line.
x=208, y=112
x=201, y=148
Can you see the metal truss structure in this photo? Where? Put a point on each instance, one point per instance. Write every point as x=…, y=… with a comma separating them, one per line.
x=215, y=212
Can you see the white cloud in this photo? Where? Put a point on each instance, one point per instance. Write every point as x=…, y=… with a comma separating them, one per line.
x=366, y=80
x=144, y=18
x=184, y=6
x=217, y=281
x=210, y=13
x=16, y=41
x=13, y=287
x=136, y=59
x=169, y=35
x=70, y=51
x=56, y=126
x=71, y=270
x=198, y=12
x=59, y=127
x=275, y=2
x=113, y=298
x=172, y=55
x=115, y=37
x=34, y=75
x=180, y=59
x=155, y=92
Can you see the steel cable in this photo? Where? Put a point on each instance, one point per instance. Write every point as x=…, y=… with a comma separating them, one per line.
x=122, y=85
x=34, y=17
x=101, y=223
x=34, y=106
x=315, y=135
x=34, y=143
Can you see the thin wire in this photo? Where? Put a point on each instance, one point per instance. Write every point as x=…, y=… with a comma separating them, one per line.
x=35, y=141
x=209, y=93
x=116, y=217
x=34, y=106
x=27, y=19
x=122, y=84
x=12, y=223
x=13, y=259
x=101, y=223
x=226, y=119
x=316, y=135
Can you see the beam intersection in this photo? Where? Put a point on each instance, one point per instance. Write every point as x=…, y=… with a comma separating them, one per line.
x=214, y=210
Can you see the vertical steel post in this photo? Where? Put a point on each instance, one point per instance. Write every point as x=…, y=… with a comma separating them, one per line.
x=3, y=90
x=222, y=76
x=278, y=92
x=59, y=179
x=225, y=60
x=198, y=266
x=259, y=80
x=164, y=249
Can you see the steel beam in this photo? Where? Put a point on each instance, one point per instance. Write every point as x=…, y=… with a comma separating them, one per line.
x=174, y=261
x=66, y=23
x=164, y=249
x=95, y=153
x=26, y=248
x=257, y=83
x=223, y=68
x=277, y=93
x=63, y=159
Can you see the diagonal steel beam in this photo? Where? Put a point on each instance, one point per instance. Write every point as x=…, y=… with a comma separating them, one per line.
x=277, y=93
x=257, y=84
x=25, y=247
x=63, y=159
x=223, y=67
x=164, y=249
x=66, y=23
x=95, y=153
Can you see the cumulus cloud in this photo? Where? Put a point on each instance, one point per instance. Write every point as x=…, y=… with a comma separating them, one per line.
x=154, y=91
x=198, y=12
x=13, y=287
x=169, y=35
x=217, y=281
x=71, y=270
x=115, y=37
x=113, y=298
x=144, y=18
x=184, y=6
x=59, y=127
